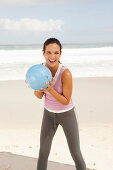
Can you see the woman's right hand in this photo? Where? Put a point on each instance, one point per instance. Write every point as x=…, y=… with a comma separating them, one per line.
x=38, y=93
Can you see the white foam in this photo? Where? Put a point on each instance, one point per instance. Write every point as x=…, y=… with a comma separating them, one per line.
x=82, y=62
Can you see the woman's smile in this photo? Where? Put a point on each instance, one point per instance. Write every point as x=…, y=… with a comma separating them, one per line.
x=52, y=61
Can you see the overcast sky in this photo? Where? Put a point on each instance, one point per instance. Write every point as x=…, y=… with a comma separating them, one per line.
x=71, y=21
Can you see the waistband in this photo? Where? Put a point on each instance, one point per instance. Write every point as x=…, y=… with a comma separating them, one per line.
x=60, y=111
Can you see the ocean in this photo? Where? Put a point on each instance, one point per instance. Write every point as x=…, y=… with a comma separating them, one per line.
x=83, y=60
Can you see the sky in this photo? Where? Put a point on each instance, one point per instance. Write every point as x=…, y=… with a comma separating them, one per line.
x=71, y=21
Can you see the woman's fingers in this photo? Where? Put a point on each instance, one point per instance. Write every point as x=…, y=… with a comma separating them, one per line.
x=49, y=86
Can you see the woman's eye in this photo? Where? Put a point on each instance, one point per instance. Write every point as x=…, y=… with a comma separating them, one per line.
x=48, y=53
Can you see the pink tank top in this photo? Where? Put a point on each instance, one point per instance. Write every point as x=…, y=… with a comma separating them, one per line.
x=50, y=103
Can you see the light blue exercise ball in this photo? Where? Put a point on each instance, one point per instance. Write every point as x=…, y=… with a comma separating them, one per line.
x=37, y=76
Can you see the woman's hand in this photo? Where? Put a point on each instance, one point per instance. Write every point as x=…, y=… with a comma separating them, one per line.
x=49, y=86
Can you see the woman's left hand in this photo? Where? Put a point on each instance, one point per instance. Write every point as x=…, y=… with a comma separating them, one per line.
x=49, y=86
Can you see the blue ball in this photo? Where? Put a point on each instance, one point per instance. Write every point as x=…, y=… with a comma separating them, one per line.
x=37, y=76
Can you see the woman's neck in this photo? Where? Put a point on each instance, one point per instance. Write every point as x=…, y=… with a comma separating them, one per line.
x=53, y=69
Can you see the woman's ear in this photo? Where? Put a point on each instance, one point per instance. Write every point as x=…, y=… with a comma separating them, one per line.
x=43, y=52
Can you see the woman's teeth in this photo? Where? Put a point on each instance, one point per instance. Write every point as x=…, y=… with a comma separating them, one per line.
x=52, y=60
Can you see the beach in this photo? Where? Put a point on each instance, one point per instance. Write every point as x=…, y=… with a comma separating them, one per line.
x=21, y=115
x=19, y=162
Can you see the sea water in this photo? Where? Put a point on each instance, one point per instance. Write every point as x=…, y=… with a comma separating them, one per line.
x=83, y=60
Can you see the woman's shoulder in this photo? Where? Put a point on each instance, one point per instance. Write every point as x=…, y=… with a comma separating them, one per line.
x=66, y=73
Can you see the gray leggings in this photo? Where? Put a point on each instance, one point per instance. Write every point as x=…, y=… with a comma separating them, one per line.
x=49, y=126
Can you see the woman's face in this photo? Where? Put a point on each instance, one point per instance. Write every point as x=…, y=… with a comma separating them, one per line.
x=52, y=54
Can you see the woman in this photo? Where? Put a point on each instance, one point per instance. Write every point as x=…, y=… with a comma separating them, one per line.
x=58, y=107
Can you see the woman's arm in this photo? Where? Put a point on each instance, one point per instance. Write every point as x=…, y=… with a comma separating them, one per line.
x=67, y=88
x=38, y=94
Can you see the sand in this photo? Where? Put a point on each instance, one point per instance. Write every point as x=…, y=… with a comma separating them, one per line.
x=9, y=161
x=92, y=96
x=20, y=122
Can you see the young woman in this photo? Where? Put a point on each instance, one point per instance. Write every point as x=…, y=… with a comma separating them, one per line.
x=58, y=107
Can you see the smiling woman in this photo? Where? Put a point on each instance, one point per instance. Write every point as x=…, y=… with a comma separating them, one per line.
x=59, y=108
